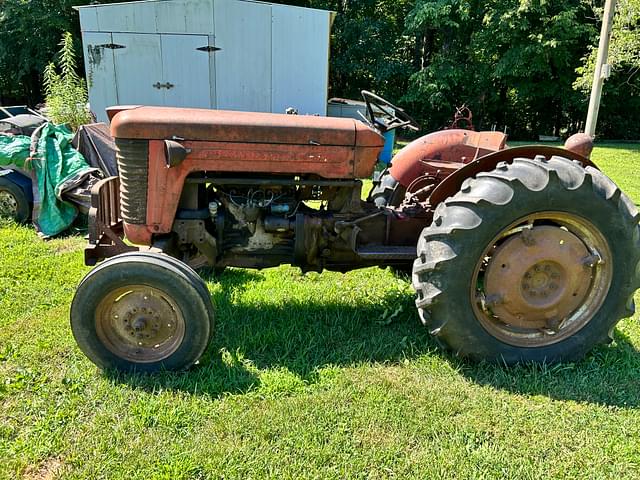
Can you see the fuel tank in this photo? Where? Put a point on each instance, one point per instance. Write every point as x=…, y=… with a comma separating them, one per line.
x=228, y=141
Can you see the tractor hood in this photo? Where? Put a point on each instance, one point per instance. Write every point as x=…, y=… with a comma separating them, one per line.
x=160, y=123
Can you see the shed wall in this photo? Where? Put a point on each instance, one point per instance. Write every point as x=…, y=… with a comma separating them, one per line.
x=262, y=57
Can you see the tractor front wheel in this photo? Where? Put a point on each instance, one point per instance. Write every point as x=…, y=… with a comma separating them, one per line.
x=535, y=261
x=142, y=312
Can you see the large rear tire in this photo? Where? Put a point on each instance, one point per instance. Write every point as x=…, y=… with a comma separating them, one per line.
x=535, y=261
x=142, y=312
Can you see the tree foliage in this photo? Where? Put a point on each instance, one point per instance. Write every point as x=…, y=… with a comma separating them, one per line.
x=514, y=62
x=619, y=112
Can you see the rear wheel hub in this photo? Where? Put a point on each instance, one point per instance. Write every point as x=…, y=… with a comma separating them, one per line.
x=542, y=279
x=538, y=277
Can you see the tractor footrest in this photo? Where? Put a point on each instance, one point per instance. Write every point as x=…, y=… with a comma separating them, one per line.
x=382, y=252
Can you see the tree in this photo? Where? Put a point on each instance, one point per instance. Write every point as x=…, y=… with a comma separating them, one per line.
x=620, y=106
x=29, y=34
x=513, y=61
x=369, y=48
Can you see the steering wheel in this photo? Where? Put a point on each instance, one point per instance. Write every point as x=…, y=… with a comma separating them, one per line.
x=398, y=118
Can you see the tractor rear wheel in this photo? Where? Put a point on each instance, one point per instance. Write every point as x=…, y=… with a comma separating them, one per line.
x=13, y=202
x=142, y=312
x=535, y=261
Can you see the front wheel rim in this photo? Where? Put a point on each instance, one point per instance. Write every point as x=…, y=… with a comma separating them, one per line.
x=8, y=205
x=140, y=324
x=542, y=279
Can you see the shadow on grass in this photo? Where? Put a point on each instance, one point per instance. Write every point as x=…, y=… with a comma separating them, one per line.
x=609, y=375
x=301, y=337
x=293, y=336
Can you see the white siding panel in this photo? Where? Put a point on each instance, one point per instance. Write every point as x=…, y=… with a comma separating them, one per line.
x=300, y=59
x=194, y=16
x=89, y=19
x=243, y=65
x=187, y=69
x=101, y=78
x=128, y=17
x=138, y=68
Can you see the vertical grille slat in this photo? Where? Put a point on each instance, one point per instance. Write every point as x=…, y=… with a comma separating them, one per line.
x=133, y=165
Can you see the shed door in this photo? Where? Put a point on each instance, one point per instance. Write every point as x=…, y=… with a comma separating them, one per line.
x=243, y=63
x=186, y=70
x=162, y=70
x=101, y=75
x=138, y=62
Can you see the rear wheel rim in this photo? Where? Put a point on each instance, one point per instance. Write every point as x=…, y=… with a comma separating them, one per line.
x=542, y=279
x=140, y=323
x=8, y=205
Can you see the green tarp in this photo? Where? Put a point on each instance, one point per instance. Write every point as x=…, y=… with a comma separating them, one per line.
x=54, y=163
x=14, y=150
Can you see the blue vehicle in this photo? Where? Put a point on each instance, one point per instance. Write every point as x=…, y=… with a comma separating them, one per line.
x=16, y=194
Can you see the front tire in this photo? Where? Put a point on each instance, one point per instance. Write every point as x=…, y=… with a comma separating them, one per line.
x=535, y=261
x=142, y=312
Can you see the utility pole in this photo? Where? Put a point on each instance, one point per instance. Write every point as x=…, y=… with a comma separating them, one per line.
x=602, y=70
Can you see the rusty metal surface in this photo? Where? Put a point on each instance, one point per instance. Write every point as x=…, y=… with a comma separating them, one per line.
x=441, y=153
x=165, y=123
x=453, y=182
x=139, y=323
x=542, y=279
x=537, y=277
x=105, y=223
x=133, y=164
x=105, y=208
x=165, y=185
x=580, y=143
x=463, y=115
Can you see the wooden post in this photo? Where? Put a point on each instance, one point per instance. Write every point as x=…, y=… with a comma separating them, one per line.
x=602, y=69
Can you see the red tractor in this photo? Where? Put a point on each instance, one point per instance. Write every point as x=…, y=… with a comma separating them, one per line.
x=526, y=254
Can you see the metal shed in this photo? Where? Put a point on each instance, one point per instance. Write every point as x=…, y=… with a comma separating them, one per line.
x=224, y=54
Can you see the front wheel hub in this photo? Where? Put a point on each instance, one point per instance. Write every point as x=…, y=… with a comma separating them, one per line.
x=140, y=323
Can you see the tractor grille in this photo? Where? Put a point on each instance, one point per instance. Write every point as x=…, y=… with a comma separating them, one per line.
x=133, y=165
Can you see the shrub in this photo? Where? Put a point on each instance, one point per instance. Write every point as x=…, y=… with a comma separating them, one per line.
x=66, y=93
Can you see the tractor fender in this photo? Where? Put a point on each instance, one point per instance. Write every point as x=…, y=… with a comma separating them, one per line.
x=453, y=183
x=441, y=153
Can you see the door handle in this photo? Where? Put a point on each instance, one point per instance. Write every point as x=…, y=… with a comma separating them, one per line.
x=167, y=85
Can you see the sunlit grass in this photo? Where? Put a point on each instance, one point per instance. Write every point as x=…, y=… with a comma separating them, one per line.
x=309, y=376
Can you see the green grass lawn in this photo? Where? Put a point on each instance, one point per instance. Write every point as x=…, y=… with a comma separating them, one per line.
x=309, y=376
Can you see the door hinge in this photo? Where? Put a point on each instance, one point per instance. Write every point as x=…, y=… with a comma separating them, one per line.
x=112, y=46
x=209, y=48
